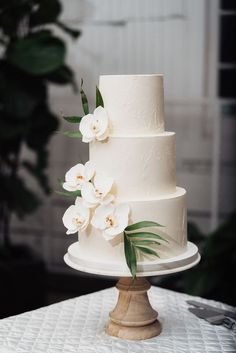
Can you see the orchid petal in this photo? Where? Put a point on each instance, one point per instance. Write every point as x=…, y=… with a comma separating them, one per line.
x=102, y=136
x=85, y=125
x=101, y=117
x=94, y=126
x=69, y=186
x=107, y=199
x=67, y=218
x=103, y=183
x=88, y=195
x=89, y=170
x=76, y=217
x=100, y=215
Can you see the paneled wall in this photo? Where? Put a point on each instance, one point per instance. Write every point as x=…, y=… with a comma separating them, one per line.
x=136, y=36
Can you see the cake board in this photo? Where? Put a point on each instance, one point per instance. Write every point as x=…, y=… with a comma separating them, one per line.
x=133, y=317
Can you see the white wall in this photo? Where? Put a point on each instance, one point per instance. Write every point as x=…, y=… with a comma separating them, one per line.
x=135, y=36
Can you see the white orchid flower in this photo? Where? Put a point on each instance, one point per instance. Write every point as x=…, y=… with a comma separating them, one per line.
x=98, y=192
x=111, y=219
x=76, y=217
x=95, y=126
x=77, y=176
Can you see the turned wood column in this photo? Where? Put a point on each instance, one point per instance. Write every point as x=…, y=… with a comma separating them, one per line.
x=133, y=317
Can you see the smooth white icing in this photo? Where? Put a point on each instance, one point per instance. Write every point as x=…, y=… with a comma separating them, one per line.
x=142, y=167
x=135, y=103
x=168, y=210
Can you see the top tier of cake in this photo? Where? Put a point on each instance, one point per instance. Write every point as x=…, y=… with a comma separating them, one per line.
x=135, y=103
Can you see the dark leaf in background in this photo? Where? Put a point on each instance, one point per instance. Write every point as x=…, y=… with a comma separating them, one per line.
x=30, y=58
x=19, y=100
x=18, y=197
x=62, y=76
x=11, y=14
x=9, y=146
x=10, y=130
x=46, y=11
x=37, y=54
x=42, y=125
x=74, y=33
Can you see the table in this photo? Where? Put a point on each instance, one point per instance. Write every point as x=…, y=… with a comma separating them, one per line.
x=77, y=326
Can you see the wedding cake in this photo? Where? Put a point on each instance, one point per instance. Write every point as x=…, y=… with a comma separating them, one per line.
x=130, y=178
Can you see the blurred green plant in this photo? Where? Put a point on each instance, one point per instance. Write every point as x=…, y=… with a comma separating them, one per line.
x=213, y=277
x=32, y=56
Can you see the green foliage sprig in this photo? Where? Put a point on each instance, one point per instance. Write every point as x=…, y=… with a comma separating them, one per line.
x=76, y=134
x=77, y=119
x=140, y=242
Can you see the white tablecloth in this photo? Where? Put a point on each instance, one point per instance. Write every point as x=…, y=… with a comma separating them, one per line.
x=77, y=325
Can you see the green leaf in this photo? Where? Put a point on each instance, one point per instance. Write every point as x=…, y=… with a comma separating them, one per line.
x=19, y=198
x=145, y=242
x=8, y=132
x=147, y=251
x=84, y=99
x=11, y=15
x=143, y=224
x=99, y=100
x=40, y=127
x=45, y=12
x=72, y=119
x=130, y=256
x=63, y=75
x=38, y=53
x=20, y=93
x=74, y=33
x=72, y=134
x=146, y=235
x=71, y=194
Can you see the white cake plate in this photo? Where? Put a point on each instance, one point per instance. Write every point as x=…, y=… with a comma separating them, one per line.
x=133, y=316
x=178, y=263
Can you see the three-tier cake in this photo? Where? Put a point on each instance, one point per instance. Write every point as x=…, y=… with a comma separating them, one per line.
x=139, y=155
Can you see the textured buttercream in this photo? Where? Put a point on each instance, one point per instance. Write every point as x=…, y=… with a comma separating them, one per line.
x=135, y=103
x=140, y=156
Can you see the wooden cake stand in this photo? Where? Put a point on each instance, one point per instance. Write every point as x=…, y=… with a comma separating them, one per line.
x=133, y=317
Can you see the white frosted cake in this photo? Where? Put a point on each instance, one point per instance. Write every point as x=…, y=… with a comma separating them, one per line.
x=139, y=156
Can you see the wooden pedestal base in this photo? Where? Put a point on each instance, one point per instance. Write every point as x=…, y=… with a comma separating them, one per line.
x=133, y=317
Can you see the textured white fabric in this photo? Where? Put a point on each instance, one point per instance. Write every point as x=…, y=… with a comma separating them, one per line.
x=77, y=326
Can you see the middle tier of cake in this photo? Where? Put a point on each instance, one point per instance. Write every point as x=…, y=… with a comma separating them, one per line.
x=150, y=161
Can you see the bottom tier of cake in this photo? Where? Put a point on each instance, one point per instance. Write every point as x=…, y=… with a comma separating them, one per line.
x=169, y=211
